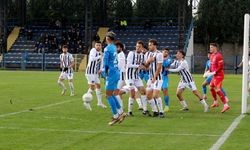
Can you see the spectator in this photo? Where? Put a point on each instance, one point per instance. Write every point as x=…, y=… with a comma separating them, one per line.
x=29, y=34
x=58, y=24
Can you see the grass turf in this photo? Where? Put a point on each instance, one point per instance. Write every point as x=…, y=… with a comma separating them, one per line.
x=69, y=126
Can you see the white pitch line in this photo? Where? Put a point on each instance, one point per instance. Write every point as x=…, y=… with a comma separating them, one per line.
x=64, y=118
x=35, y=108
x=108, y=132
x=228, y=132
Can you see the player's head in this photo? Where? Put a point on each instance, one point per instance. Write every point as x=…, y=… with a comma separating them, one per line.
x=119, y=46
x=110, y=37
x=139, y=46
x=213, y=48
x=65, y=48
x=152, y=44
x=180, y=54
x=165, y=52
x=98, y=45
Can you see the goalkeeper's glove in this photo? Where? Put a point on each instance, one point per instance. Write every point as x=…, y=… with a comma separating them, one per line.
x=208, y=73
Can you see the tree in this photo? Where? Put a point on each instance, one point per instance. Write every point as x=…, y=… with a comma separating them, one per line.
x=221, y=21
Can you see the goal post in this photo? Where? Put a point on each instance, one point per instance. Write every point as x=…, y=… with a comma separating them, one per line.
x=245, y=65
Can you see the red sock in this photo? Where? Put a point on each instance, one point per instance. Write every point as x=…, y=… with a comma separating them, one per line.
x=222, y=97
x=213, y=92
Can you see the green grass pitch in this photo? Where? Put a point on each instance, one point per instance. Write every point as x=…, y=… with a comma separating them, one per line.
x=42, y=119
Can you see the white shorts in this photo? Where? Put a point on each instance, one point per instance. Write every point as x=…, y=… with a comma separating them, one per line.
x=134, y=82
x=93, y=78
x=120, y=84
x=156, y=86
x=190, y=86
x=66, y=75
x=127, y=89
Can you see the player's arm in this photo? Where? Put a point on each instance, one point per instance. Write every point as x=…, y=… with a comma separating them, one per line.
x=72, y=62
x=179, y=68
x=105, y=61
x=61, y=63
x=159, y=65
x=220, y=64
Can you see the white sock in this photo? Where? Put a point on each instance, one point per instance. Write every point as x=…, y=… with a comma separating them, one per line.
x=116, y=115
x=130, y=104
x=99, y=96
x=119, y=100
x=71, y=87
x=90, y=91
x=120, y=111
x=184, y=104
x=159, y=104
x=138, y=100
x=144, y=102
x=203, y=102
x=153, y=106
x=61, y=84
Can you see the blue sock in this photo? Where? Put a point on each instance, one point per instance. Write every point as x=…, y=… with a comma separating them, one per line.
x=112, y=104
x=204, y=89
x=223, y=91
x=117, y=104
x=166, y=99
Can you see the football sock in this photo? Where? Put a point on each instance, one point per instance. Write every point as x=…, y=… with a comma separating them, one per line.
x=213, y=92
x=112, y=104
x=144, y=102
x=61, y=84
x=183, y=104
x=159, y=104
x=138, y=100
x=119, y=100
x=204, y=89
x=71, y=87
x=222, y=97
x=166, y=99
x=130, y=104
x=153, y=106
x=99, y=96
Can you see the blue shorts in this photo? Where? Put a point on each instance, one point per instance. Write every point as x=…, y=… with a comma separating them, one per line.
x=165, y=82
x=112, y=80
x=144, y=75
x=209, y=79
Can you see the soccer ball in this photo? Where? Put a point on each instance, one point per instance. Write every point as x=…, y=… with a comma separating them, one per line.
x=87, y=97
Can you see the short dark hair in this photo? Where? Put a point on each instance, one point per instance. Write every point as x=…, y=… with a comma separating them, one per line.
x=213, y=44
x=153, y=41
x=65, y=46
x=140, y=42
x=167, y=49
x=98, y=42
x=119, y=43
x=111, y=35
x=182, y=52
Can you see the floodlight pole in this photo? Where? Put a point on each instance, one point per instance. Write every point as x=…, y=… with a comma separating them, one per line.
x=245, y=65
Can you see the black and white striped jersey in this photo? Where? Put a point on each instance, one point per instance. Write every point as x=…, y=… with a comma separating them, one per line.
x=94, y=62
x=158, y=56
x=122, y=64
x=134, y=60
x=66, y=60
x=182, y=68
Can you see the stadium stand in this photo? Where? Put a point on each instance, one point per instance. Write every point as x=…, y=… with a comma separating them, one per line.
x=33, y=48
